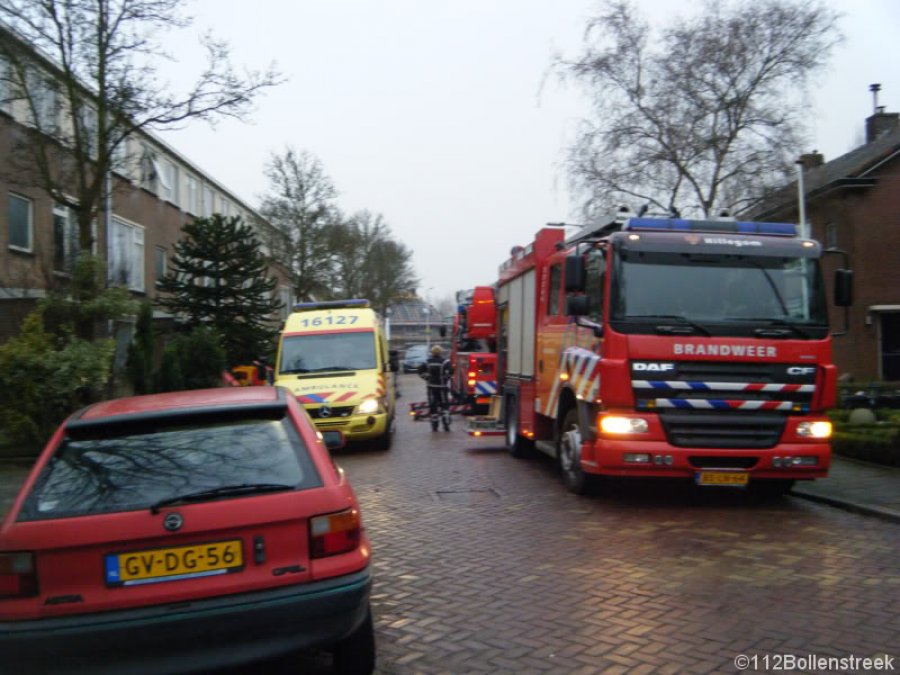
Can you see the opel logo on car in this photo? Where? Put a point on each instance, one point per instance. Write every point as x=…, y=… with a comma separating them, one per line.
x=173, y=521
x=324, y=411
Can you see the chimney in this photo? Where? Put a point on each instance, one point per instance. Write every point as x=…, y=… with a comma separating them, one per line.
x=880, y=122
x=811, y=160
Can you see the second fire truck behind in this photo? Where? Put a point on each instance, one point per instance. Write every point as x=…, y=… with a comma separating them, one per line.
x=657, y=347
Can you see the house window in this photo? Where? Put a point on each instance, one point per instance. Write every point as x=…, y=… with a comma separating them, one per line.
x=44, y=101
x=65, y=238
x=831, y=238
x=119, y=158
x=224, y=207
x=192, y=195
x=19, y=217
x=169, y=178
x=159, y=263
x=5, y=75
x=88, y=123
x=125, y=251
x=207, y=201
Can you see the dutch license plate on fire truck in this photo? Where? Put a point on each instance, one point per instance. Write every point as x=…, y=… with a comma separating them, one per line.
x=724, y=478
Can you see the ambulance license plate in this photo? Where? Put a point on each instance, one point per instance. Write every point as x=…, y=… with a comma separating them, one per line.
x=725, y=478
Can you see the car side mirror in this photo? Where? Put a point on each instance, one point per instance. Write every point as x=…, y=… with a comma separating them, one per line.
x=394, y=360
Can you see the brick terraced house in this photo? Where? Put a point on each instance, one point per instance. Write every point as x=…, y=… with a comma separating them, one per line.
x=853, y=204
x=155, y=191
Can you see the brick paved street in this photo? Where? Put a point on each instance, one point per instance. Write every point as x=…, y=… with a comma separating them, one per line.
x=486, y=564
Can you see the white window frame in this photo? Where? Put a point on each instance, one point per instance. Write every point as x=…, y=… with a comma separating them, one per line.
x=89, y=123
x=70, y=237
x=28, y=225
x=193, y=185
x=132, y=249
x=5, y=85
x=44, y=99
x=160, y=253
x=167, y=172
x=207, y=193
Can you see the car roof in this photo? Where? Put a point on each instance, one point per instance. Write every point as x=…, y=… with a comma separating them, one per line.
x=196, y=398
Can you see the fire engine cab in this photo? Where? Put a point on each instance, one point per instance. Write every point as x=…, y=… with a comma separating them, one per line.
x=473, y=349
x=664, y=347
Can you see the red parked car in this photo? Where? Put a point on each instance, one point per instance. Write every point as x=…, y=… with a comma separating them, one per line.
x=184, y=532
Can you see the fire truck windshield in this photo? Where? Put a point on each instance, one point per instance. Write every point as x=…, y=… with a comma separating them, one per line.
x=710, y=289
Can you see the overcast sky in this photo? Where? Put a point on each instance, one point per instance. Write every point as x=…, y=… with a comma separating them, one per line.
x=441, y=115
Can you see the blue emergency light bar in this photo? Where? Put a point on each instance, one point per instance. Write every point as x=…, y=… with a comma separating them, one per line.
x=357, y=303
x=718, y=226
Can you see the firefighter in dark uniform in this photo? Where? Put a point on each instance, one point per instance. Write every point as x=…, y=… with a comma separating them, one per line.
x=436, y=372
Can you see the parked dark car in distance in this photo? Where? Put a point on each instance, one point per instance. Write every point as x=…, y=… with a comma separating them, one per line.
x=415, y=356
x=184, y=532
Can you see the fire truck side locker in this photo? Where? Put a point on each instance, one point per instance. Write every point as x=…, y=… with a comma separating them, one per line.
x=518, y=386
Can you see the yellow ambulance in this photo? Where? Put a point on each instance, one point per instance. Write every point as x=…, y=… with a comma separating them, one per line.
x=334, y=357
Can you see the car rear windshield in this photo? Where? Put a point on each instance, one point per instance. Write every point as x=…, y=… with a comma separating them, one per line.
x=135, y=469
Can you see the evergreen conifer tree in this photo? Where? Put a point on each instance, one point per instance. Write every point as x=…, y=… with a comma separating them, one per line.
x=218, y=278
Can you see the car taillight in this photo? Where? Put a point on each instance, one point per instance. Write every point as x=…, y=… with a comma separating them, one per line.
x=334, y=533
x=17, y=575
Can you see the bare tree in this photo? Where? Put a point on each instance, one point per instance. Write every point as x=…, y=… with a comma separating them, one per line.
x=301, y=208
x=368, y=262
x=702, y=114
x=85, y=72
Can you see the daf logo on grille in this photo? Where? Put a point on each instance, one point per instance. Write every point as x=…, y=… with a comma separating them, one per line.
x=324, y=411
x=173, y=521
x=653, y=367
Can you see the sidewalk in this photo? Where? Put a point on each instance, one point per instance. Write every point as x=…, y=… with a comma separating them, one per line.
x=866, y=488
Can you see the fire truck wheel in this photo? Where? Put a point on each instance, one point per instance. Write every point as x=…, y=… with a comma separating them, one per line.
x=569, y=454
x=518, y=445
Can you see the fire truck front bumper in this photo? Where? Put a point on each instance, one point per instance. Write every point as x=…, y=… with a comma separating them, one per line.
x=629, y=457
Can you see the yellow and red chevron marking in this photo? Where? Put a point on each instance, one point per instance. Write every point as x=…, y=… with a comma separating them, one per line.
x=380, y=388
x=326, y=397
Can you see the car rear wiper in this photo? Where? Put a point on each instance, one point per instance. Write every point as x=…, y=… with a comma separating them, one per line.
x=671, y=329
x=225, y=491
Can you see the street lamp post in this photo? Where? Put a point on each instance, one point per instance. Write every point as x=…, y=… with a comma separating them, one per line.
x=427, y=311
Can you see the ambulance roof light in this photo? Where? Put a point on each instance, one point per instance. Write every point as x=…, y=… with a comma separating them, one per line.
x=353, y=303
x=711, y=226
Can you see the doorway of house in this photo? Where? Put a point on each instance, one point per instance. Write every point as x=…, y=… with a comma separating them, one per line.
x=890, y=346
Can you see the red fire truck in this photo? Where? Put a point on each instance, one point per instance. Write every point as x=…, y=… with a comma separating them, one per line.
x=473, y=349
x=663, y=347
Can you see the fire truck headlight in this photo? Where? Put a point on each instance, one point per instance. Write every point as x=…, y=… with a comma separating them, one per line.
x=368, y=406
x=613, y=424
x=820, y=429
